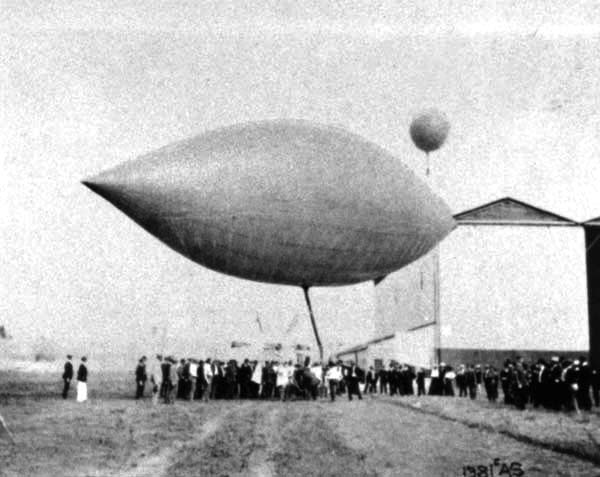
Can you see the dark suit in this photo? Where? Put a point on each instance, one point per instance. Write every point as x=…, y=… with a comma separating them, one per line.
x=421, y=382
x=519, y=388
x=140, y=380
x=231, y=381
x=165, y=369
x=595, y=381
x=539, y=385
x=470, y=382
x=571, y=386
x=353, y=375
x=67, y=377
x=82, y=373
x=199, y=384
x=584, y=383
x=490, y=379
x=394, y=381
x=371, y=382
x=383, y=381
x=461, y=383
x=244, y=379
x=505, y=379
x=555, y=386
x=218, y=384
x=310, y=383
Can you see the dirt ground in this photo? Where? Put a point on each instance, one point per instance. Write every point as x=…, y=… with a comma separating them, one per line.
x=113, y=435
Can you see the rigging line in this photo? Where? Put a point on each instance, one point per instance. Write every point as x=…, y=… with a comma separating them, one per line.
x=312, y=320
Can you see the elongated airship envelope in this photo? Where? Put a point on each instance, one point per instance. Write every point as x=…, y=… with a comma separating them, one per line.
x=283, y=201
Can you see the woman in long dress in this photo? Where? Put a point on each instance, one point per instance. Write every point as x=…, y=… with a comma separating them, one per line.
x=82, y=374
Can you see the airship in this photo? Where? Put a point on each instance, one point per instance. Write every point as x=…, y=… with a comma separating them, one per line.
x=287, y=202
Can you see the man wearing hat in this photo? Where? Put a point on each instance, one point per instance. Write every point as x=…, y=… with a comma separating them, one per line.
x=469, y=381
x=67, y=376
x=371, y=381
x=244, y=379
x=140, y=377
x=584, y=383
x=353, y=376
x=156, y=377
x=555, y=384
x=382, y=377
x=570, y=378
x=333, y=376
x=505, y=381
x=208, y=372
x=165, y=368
x=82, y=374
x=193, y=377
x=520, y=384
x=169, y=379
x=173, y=381
x=539, y=382
x=595, y=382
x=421, y=382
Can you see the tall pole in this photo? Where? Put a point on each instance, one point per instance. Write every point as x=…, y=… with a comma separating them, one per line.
x=314, y=324
x=436, y=303
x=436, y=287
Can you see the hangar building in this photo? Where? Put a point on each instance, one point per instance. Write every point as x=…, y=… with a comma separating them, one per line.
x=511, y=281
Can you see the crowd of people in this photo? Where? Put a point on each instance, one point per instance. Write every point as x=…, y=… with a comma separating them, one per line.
x=556, y=384
x=193, y=379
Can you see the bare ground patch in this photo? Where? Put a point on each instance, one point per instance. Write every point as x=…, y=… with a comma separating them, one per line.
x=157, y=465
x=226, y=451
x=269, y=439
x=309, y=445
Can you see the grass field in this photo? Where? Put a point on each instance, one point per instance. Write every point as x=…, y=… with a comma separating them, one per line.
x=113, y=435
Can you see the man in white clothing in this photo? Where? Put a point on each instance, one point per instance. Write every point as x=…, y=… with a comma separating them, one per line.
x=281, y=380
x=193, y=370
x=156, y=378
x=334, y=376
x=208, y=379
x=257, y=379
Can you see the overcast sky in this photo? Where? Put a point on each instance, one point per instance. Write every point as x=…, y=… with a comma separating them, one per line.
x=85, y=87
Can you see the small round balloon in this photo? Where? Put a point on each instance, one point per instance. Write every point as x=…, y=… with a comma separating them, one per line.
x=429, y=130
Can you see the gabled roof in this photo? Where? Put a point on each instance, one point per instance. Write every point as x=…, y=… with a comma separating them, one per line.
x=509, y=211
x=595, y=222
